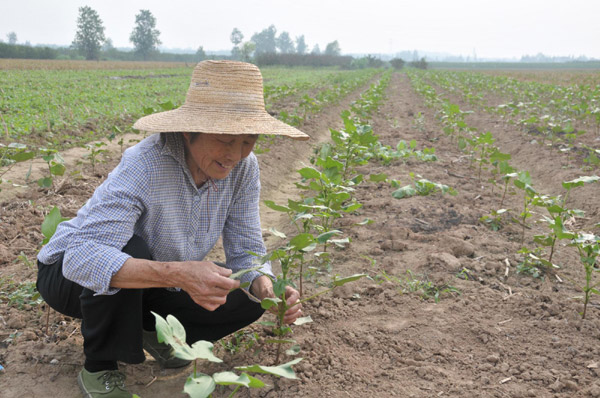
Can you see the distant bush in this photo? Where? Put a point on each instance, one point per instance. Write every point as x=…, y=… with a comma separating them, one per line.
x=367, y=62
x=420, y=64
x=397, y=63
x=265, y=59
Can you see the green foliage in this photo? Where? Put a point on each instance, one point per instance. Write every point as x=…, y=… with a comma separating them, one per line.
x=94, y=150
x=50, y=224
x=588, y=246
x=532, y=262
x=397, y=63
x=19, y=294
x=56, y=166
x=421, y=187
x=333, y=48
x=494, y=220
x=200, y=385
x=90, y=33
x=413, y=283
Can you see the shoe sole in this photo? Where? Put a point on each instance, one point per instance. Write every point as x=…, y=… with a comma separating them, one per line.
x=85, y=392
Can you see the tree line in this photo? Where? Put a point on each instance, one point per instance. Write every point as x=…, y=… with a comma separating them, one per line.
x=266, y=47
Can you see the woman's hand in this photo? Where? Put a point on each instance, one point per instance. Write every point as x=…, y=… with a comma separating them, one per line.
x=208, y=284
x=262, y=287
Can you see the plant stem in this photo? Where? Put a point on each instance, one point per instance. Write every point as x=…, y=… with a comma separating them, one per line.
x=234, y=391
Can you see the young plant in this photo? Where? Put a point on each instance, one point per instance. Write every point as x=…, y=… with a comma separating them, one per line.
x=95, y=150
x=494, y=220
x=200, y=385
x=55, y=164
x=421, y=187
x=523, y=182
x=588, y=246
x=533, y=263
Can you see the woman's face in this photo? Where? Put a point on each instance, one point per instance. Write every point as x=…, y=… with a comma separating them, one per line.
x=215, y=155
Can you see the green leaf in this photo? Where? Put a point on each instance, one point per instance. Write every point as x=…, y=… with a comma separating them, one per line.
x=270, y=204
x=277, y=233
x=22, y=156
x=269, y=302
x=579, y=182
x=45, y=182
x=172, y=332
x=50, y=224
x=343, y=281
x=284, y=370
x=230, y=378
x=366, y=221
x=324, y=237
x=239, y=274
x=309, y=173
x=378, y=177
x=302, y=241
x=199, y=387
x=58, y=169
x=303, y=320
x=404, y=192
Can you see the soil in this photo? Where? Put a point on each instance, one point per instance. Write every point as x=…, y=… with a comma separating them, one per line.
x=493, y=332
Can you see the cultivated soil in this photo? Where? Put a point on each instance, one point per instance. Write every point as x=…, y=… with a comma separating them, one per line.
x=495, y=333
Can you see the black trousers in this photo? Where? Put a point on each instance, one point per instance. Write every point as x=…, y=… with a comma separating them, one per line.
x=112, y=324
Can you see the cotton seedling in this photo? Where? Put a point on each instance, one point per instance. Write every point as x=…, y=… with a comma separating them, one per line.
x=293, y=256
x=494, y=220
x=200, y=385
x=55, y=164
x=588, y=246
x=95, y=150
x=523, y=182
x=421, y=187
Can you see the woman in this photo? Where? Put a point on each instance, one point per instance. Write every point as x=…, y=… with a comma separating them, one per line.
x=138, y=245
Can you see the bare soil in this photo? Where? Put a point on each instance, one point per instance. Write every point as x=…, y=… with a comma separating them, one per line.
x=496, y=334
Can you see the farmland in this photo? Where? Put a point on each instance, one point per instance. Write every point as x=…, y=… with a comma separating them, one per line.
x=448, y=189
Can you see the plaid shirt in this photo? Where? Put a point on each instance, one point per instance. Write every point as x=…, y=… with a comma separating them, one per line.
x=151, y=193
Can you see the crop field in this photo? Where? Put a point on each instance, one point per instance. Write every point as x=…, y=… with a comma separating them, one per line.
x=442, y=227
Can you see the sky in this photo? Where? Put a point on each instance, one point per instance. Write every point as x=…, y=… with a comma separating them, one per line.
x=489, y=29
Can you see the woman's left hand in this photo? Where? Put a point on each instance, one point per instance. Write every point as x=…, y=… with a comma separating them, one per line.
x=262, y=287
x=294, y=307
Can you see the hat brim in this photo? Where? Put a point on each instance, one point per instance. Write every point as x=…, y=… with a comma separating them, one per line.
x=222, y=121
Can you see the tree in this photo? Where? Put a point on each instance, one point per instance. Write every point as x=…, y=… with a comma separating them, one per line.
x=285, y=43
x=12, y=38
x=397, y=63
x=333, y=48
x=145, y=35
x=201, y=54
x=265, y=40
x=301, y=46
x=316, y=50
x=90, y=33
x=246, y=51
x=236, y=38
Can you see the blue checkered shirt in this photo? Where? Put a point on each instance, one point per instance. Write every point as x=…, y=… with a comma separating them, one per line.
x=152, y=194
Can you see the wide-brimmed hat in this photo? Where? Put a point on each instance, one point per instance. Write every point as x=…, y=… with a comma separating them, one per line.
x=225, y=97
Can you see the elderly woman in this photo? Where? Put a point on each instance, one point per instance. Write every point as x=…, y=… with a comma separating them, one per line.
x=138, y=245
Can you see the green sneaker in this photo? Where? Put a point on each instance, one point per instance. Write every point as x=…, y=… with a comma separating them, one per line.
x=163, y=353
x=103, y=384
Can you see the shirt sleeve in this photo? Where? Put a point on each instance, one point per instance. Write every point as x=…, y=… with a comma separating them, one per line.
x=94, y=254
x=242, y=232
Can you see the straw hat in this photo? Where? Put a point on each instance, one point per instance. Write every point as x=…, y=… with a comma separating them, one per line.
x=225, y=97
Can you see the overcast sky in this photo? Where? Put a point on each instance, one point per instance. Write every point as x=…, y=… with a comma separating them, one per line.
x=491, y=29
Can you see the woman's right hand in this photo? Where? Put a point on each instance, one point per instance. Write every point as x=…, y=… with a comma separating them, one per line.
x=207, y=283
